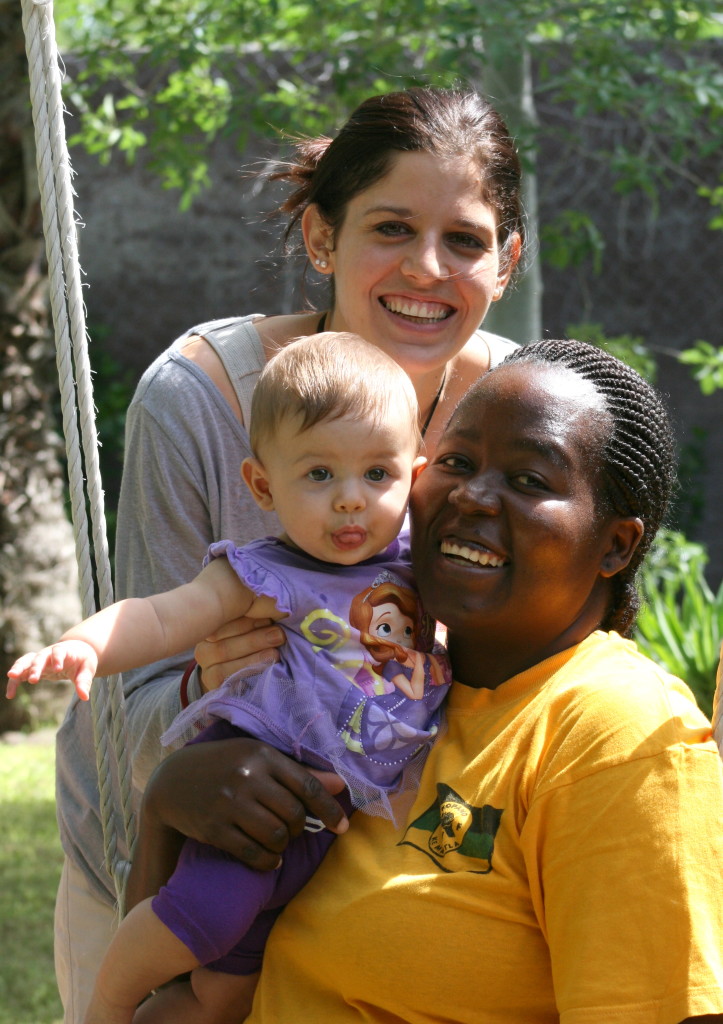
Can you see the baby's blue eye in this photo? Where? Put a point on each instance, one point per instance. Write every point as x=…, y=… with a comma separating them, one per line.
x=319, y=475
x=376, y=475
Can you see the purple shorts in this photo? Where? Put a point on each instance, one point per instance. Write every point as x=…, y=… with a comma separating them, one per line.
x=223, y=910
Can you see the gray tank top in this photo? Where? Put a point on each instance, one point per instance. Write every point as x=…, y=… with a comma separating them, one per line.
x=237, y=344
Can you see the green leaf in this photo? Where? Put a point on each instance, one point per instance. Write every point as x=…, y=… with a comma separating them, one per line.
x=708, y=363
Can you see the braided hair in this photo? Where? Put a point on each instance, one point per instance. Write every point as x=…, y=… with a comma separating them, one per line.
x=637, y=458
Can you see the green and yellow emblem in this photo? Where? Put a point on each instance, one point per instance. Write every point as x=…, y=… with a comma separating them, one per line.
x=456, y=835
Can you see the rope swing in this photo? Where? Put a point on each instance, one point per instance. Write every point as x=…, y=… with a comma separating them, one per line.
x=76, y=394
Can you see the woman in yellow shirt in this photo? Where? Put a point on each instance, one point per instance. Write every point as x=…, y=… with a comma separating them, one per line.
x=562, y=858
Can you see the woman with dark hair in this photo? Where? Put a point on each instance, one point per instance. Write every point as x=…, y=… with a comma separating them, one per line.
x=412, y=211
x=562, y=858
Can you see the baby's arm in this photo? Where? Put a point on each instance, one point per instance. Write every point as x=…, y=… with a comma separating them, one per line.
x=143, y=955
x=138, y=631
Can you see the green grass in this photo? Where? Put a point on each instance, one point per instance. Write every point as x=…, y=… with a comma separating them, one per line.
x=30, y=863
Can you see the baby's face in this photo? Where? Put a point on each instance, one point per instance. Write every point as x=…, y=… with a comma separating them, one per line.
x=341, y=487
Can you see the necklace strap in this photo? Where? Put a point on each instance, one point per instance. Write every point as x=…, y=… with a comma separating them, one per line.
x=435, y=403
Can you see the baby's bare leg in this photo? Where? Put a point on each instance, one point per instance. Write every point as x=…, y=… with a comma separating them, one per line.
x=210, y=997
x=100, y=1011
x=143, y=954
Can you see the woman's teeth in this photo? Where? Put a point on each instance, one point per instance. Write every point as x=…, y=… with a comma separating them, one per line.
x=471, y=554
x=419, y=310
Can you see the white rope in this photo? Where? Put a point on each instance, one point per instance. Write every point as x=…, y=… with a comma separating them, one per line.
x=66, y=302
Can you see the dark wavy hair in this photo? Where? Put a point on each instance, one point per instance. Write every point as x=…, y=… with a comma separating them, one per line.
x=446, y=122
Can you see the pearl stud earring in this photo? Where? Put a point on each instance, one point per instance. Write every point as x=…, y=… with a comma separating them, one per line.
x=321, y=263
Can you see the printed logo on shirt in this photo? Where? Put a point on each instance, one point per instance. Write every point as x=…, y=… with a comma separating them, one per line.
x=454, y=834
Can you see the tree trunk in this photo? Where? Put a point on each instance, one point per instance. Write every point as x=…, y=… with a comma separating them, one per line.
x=508, y=82
x=38, y=576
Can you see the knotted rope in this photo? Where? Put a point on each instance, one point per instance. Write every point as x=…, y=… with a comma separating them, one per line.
x=76, y=392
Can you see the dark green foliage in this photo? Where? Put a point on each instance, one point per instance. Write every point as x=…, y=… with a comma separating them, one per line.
x=681, y=623
x=173, y=74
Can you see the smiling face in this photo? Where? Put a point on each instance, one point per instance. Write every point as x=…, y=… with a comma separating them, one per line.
x=509, y=546
x=416, y=261
x=340, y=488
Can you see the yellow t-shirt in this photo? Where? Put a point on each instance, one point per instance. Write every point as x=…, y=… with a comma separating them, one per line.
x=562, y=862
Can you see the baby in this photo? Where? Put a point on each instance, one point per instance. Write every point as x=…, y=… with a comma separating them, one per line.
x=358, y=689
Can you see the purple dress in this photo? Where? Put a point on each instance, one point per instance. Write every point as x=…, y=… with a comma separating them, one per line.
x=358, y=691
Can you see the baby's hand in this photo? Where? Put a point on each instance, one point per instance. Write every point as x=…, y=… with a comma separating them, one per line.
x=68, y=659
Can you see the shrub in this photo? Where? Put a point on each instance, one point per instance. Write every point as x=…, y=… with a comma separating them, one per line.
x=680, y=625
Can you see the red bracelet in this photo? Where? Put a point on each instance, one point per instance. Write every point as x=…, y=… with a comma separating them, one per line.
x=184, y=684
